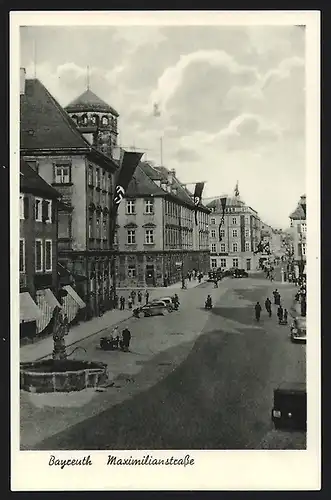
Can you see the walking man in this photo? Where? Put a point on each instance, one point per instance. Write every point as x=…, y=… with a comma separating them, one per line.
x=258, y=309
x=285, y=316
x=139, y=296
x=126, y=337
x=133, y=296
x=122, y=303
x=280, y=313
x=275, y=293
x=146, y=296
x=268, y=306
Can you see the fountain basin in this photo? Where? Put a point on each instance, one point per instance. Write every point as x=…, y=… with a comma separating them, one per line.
x=50, y=376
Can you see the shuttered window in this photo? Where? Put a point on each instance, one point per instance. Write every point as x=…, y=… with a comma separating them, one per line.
x=38, y=255
x=48, y=255
x=22, y=255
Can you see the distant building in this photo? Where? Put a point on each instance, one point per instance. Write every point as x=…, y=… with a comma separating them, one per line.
x=157, y=237
x=299, y=231
x=82, y=170
x=233, y=243
x=38, y=209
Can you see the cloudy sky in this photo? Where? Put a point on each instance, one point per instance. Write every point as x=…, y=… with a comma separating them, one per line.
x=232, y=99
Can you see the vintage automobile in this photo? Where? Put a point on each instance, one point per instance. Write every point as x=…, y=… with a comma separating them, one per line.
x=155, y=308
x=239, y=273
x=166, y=300
x=298, y=329
x=289, y=410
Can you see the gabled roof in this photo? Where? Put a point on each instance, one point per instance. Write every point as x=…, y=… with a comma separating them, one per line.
x=89, y=101
x=43, y=122
x=31, y=182
x=142, y=185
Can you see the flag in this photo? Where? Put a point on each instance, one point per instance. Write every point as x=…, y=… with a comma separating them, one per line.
x=223, y=205
x=197, y=198
x=156, y=109
x=236, y=190
x=128, y=166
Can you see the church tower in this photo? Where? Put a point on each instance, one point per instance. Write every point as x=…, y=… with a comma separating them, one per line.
x=96, y=120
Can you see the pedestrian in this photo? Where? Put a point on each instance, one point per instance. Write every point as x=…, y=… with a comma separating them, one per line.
x=278, y=299
x=130, y=302
x=114, y=333
x=275, y=293
x=285, y=316
x=126, y=337
x=215, y=284
x=139, y=297
x=122, y=303
x=133, y=296
x=146, y=296
x=116, y=301
x=189, y=276
x=268, y=306
x=280, y=313
x=258, y=309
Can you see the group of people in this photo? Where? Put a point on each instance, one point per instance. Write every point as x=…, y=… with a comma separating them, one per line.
x=194, y=274
x=121, y=343
x=282, y=313
x=132, y=299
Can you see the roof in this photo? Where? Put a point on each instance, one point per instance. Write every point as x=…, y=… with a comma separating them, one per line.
x=43, y=122
x=182, y=192
x=300, y=212
x=89, y=101
x=31, y=182
x=142, y=184
x=230, y=202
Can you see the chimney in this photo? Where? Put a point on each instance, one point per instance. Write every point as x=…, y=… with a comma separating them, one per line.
x=22, y=81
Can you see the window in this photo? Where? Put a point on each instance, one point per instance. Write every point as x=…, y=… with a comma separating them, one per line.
x=149, y=206
x=21, y=206
x=235, y=263
x=222, y=263
x=213, y=220
x=235, y=233
x=304, y=248
x=247, y=220
x=247, y=246
x=48, y=255
x=131, y=206
x=104, y=120
x=46, y=210
x=90, y=227
x=38, y=255
x=222, y=233
x=38, y=209
x=98, y=178
x=303, y=227
x=149, y=236
x=235, y=247
x=222, y=249
x=213, y=263
x=213, y=247
x=103, y=185
x=109, y=183
x=62, y=174
x=104, y=222
x=213, y=233
x=90, y=175
x=97, y=227
x=131, y=271
x=131, y=236
x=247, y=233
x=22, y=255
x=234, y=220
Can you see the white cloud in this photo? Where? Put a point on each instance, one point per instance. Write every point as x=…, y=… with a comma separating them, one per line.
x=172, y=77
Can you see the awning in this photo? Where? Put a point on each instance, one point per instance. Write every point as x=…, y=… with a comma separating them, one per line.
x=50, y=298
x=29, y=311
x=75, y=296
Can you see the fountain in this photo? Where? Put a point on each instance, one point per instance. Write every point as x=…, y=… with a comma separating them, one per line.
x=59, y=374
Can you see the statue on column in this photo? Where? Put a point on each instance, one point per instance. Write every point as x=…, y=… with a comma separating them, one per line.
x=60, y=330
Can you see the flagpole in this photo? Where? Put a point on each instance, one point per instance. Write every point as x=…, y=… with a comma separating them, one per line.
x=34, y=59
x=161, y=151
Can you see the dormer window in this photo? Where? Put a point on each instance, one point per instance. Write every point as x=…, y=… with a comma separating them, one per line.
x=104, y=120
x=84, y=119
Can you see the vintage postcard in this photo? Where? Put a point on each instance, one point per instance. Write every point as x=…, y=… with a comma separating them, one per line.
x=165, y=292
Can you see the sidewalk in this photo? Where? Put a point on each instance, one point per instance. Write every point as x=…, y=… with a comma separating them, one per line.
x=44, y=347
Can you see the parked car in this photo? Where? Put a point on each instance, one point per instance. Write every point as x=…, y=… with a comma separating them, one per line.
x=240, y=273
x=154, y=308
x=289, y=410
x=166, y=300
x=298, y=329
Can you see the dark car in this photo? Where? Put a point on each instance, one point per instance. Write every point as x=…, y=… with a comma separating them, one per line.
x=239, y=273
x=154, y=308
x=290, y=407
x=298, y=330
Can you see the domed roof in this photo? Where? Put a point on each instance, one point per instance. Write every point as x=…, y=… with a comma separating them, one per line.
x=231, y=201
x=88, y=101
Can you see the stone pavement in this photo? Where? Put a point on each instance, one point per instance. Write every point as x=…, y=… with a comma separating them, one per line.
x=44, y=347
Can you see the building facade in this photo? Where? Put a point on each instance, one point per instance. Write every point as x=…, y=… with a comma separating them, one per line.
x=67, y=158
x=299, y=231
x=157, y=236
x=38, y=211
x=240, y=234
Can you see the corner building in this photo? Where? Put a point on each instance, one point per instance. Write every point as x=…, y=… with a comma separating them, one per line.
x=157, y=238
x=240, y=234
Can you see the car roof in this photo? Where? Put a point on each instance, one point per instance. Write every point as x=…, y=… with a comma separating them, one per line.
x=301, y=320
x=291, y=386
